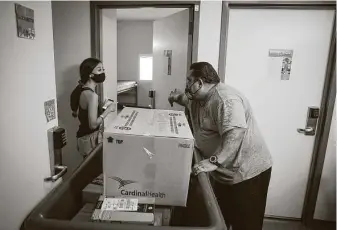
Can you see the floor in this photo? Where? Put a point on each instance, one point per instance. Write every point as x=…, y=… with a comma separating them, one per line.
x=273, y=224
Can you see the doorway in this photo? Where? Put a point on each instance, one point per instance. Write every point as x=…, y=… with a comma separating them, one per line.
x=145, y=47
x=143, y=37
x=285, y=68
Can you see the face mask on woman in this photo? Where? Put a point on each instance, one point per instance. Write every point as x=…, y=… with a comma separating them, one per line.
x=98, y=78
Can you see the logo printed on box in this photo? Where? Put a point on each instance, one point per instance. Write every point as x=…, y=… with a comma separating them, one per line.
x=185, y=146
x=122, y=182
x=124, y=128
x=174, y=114
x=119, y=141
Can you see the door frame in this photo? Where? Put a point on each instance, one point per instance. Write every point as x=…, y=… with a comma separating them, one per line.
x=328, y=96
x=96, y=25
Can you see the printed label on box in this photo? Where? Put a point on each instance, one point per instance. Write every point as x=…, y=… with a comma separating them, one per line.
x=120, y=204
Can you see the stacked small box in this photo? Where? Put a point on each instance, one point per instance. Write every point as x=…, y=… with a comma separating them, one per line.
x=124, y=210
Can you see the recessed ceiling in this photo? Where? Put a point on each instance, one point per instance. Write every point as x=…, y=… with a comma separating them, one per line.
x=146, y=13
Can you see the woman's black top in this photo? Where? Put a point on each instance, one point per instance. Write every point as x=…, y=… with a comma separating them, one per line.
x=83, y=116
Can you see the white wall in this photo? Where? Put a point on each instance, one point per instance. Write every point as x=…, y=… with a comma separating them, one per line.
x=134, y=38
x=109, y=52
x=71, y=25
x=27, y=80
x=170, y=33
x=326, y=200
x=209, y=32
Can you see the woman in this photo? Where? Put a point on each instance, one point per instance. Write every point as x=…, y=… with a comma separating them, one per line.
x=84, y=105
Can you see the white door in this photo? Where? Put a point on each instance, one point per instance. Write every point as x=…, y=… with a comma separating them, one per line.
x=280, y=105
x=170, y=33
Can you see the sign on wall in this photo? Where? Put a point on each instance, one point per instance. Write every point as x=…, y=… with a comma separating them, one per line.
x=286, y=57
x=168, y=54
x=24, y=22
x=49, y=109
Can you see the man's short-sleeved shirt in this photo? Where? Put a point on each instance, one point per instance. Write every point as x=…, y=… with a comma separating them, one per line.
x=226, y=109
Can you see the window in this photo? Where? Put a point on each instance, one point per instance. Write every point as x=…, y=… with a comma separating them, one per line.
x=145, y=67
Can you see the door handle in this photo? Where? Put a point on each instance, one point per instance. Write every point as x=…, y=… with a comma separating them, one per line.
x=152, y=96
x=311, y=123
x=306, y=131
x=62, y=169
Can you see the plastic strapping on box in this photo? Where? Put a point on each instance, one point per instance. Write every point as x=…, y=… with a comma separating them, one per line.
x=130, y=118
x=148, y=152
x=175, y=125
x=134, y=118
x=171, y=125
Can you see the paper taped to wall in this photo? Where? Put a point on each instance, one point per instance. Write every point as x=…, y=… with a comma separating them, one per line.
x=49, y=108
x=286, y=68
x=286, y=56
x=281, y=53
x=24, y=22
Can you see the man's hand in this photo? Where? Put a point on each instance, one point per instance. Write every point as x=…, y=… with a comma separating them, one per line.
x=204, y=166
x=174, y=96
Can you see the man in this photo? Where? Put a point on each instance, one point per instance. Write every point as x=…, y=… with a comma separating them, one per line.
x=227, y=136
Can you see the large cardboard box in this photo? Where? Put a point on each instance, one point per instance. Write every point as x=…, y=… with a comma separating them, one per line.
x=148, y=153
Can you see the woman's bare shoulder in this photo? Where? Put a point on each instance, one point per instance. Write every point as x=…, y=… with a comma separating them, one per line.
x=87, y=97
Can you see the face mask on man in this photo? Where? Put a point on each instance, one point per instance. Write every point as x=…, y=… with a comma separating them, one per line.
x=98, y=78
x=190, y=93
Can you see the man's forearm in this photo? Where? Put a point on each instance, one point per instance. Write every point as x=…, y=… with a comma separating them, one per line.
x=231, y=142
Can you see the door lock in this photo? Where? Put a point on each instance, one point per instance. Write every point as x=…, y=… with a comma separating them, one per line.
x=312, y=118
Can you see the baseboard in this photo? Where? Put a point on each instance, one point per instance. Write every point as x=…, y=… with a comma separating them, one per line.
x=281, y=218
x=314, y=224
x=324, y=223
